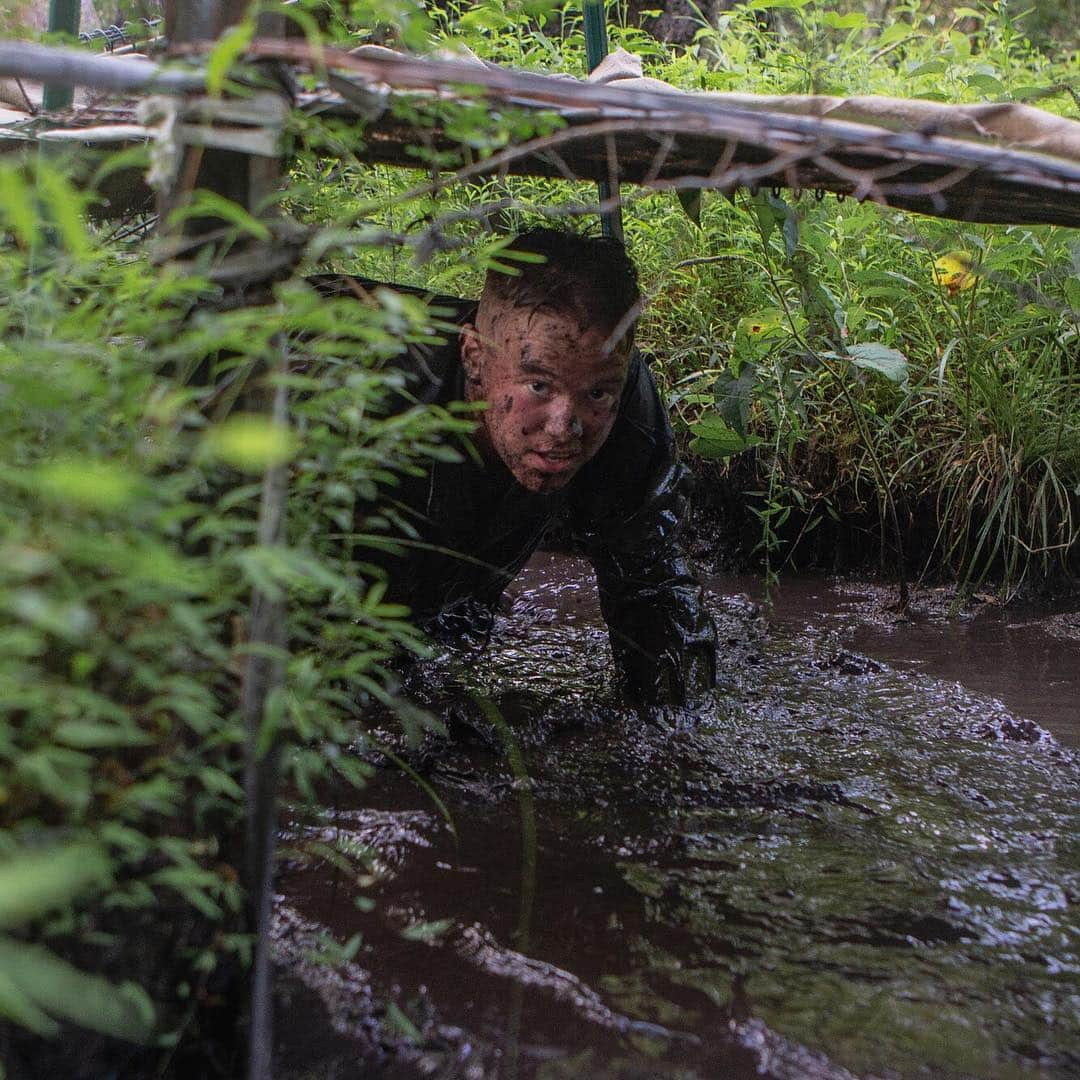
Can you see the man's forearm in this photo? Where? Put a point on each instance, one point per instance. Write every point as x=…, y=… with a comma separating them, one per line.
x=662, y=636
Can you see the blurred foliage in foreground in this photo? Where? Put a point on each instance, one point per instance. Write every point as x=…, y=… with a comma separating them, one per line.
x=128, y=491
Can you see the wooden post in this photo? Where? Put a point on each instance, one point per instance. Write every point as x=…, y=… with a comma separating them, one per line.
x=244, y=179
x=264, y=674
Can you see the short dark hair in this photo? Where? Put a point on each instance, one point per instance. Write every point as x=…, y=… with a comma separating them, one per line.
x=590, y=277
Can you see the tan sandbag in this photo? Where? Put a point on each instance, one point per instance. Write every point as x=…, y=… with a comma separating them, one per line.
x=621, y=68
x=12, y=116
x=1017, y=126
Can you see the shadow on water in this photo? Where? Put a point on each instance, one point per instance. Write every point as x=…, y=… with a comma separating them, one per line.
x=848, y=869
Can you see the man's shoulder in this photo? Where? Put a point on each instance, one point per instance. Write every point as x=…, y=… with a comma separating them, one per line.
x=432, y=368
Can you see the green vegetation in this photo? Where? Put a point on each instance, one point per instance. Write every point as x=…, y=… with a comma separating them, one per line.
x=818, y=354
x=976, y=442
x=127, y=561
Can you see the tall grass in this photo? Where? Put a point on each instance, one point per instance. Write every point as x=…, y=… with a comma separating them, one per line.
x=977, y=445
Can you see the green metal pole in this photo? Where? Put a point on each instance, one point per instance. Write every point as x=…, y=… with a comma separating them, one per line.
x=596, y=48
x=596, y=45
x=63, y=18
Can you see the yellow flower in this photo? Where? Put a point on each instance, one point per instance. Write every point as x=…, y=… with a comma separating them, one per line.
x=953, y=272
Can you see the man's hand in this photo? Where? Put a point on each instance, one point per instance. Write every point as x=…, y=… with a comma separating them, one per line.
x=682, y=718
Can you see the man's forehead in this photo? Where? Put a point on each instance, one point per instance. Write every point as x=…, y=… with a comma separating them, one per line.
x=575, y=320
x=533, y=333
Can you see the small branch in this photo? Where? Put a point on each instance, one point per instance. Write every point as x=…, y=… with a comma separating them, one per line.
x=263, y=675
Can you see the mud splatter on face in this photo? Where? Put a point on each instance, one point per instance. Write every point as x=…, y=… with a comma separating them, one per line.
x=557, y=388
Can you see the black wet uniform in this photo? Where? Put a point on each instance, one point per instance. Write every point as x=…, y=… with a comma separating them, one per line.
x=624, y=508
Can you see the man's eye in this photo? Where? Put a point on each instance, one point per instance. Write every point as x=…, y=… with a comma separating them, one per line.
x=538, y=387
x=597, y=393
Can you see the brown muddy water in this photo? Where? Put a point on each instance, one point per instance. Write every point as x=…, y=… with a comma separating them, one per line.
x=864, y=860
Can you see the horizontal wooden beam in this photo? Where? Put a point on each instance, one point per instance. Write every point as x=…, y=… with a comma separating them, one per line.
x=120, y=74
x=638, y=136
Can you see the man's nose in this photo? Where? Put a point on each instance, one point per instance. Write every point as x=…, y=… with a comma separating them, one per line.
x=563, y=419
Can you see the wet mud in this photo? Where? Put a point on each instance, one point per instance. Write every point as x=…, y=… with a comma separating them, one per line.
x=849, y=867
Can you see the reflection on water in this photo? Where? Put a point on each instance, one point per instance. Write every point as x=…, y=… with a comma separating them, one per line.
x=849, y=869
x=1026, y=657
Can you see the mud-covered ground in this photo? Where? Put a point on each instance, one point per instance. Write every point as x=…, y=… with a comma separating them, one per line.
x=848, y=867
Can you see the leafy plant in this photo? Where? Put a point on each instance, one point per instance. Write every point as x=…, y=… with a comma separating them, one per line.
x=845, y=437
x=128, y=555
x=36, y=987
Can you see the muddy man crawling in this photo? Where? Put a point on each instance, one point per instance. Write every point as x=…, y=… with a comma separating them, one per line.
x=576, y=431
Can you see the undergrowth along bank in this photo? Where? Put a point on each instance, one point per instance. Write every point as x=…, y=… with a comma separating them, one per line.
x=833, y=361
x=128, y=556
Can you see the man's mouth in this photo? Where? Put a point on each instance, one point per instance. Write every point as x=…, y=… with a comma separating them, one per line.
x=554, y=461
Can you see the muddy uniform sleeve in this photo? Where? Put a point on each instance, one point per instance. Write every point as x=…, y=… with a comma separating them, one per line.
x=628, y=514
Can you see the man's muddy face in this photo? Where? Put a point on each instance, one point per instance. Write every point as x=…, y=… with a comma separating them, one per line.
x=552, y=391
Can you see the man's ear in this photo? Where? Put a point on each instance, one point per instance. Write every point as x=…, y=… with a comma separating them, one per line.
x=471, y=352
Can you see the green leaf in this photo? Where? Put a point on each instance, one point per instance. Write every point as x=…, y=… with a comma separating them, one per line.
x=772, y=213
x=58, y=772
x=427, y=931
x=68, y=620
x=17, y=206
x=891, y=363
x=398, y=1022
x=1072, y=293
x=484, y=17
x=894, y=32
x=714, y=440
x=961, y=43
x=251, y=443
x=94, y=485
x=734, y=396
x=854, y=20
x=87, y=735
x=928, y=67
x=205, y=203
x=218, y=782
x=34, y=884
x=58, y=989
x=1033, y=93
x=159, y=795
x=191, y=883
x=65, y=206
x=17, y=1006
x=986, y=84
x=229, y=47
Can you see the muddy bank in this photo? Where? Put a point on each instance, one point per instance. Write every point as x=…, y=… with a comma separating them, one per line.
x=838, y=529
x=845, y=869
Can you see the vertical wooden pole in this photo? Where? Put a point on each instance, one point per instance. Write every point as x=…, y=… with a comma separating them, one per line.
x=263, y=675
x=247, y=180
